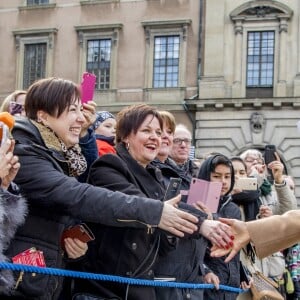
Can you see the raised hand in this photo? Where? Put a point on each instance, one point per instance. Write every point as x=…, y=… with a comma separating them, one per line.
x=75, y=248
x=89, y=113
x=9, y=163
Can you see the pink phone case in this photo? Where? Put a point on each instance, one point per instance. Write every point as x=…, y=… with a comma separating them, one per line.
x=207, y=192
x=87, y=87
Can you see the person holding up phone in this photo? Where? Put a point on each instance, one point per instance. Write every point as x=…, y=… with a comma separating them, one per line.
x=51, y=161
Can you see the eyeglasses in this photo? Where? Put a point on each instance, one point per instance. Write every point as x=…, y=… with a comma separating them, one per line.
x=252, y=160
x=178, y=141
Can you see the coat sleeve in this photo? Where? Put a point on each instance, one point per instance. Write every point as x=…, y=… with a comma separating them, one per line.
x=48, y=188
x=275, y=233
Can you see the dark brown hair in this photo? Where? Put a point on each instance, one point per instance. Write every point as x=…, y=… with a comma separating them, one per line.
x=131, y=118
x=52, y=95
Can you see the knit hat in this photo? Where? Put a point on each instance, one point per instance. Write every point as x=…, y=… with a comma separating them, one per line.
x=101, y=117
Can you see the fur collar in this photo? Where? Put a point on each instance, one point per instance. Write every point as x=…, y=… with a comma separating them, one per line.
x=49, y=137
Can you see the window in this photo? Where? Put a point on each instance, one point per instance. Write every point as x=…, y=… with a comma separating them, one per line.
x=34, y=63
x=260, y=60
x=260, y=49
x=98, y=53
x=34, y=55
x=166, y=54
x=166, y=61
x=37, y=2
x=98, y=61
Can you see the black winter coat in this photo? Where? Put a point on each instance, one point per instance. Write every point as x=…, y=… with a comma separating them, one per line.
x=124, y=251
x=55, y=200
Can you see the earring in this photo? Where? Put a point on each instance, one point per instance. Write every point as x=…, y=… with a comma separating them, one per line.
x=127, y=146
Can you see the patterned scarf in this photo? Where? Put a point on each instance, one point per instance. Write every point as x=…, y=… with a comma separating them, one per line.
x=76, y=161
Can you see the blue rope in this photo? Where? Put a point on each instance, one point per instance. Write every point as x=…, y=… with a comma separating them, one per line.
x=103, y=277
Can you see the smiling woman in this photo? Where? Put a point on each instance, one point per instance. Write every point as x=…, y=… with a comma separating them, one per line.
x=51, y=160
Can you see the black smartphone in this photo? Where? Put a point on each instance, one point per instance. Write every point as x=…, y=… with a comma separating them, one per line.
x=173, y=188
x=270, y=153
x=244, y=273
x=269, y=156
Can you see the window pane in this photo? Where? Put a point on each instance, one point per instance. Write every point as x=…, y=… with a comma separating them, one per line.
x=34, y=63
x=37, y=2
x=260, y=59
x=98, y=61
x=166, y=61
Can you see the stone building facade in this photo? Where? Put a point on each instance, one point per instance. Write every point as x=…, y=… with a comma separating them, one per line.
x=229, y=70
x=249, y=79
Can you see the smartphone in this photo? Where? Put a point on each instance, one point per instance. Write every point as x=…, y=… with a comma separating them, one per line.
x=4, y=132
x=87, y=87
x=269, y=153
x=207, y=192
x=244, y=273
x=173, y=188
x=247, y=183
x=80, y=231
x=269, y=157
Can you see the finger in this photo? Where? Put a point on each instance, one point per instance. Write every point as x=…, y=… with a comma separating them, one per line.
x=174, y=201
x=226, y=221
x=231, y=255
x=277, y=156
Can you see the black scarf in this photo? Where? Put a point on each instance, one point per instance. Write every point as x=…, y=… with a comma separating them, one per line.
x=250, y=202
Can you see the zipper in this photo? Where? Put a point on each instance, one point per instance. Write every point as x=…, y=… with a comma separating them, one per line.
x=150, y=228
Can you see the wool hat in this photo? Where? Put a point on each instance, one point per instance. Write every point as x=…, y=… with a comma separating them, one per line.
x=101, y=117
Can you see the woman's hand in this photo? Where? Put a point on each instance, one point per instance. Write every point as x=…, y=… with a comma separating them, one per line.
x=218, y=233
x=241, y=239
x=245, y=285
x=212, y=278
x=9, y=163
x=75, y=248
x=277, y=167
x=176, y=221
x=265, y=211
x=89, y=113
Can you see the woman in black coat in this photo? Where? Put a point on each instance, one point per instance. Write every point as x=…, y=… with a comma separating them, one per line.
x=126, y=251
x=47, y=146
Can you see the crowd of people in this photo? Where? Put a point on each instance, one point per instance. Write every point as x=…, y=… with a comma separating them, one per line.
x=67, y=164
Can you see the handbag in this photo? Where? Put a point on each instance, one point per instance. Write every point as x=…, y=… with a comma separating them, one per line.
x=264, y=288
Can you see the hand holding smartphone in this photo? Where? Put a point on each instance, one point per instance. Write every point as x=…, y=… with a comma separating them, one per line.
x=80, y=231
x=247, y=183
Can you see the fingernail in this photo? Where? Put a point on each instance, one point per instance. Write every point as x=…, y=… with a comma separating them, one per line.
x=232, y=237
x=227, y=247
x=230, y=244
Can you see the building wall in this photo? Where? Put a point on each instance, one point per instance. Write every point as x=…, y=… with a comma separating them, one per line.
x=64, y=17
x=222, y=112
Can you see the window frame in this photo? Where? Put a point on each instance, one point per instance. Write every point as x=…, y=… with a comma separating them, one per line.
x=165, y=28
x=277, y=20
x=99, y=32
x=24, y=37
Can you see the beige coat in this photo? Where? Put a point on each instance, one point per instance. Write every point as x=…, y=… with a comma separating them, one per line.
x=275, y=233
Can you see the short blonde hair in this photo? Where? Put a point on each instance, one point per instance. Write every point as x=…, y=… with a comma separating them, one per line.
x=169, y=119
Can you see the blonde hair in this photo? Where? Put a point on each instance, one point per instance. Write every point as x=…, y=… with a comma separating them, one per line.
x=10, y=98
x=168, y=119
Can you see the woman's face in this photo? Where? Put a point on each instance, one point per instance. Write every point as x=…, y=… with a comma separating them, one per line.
x=107, y=128
x=222, y=174
x=68, y=125
x=145, y=144
x=166, y=142
x=239, y=169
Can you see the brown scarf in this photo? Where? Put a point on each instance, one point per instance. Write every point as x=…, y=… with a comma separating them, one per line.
x=76, y=161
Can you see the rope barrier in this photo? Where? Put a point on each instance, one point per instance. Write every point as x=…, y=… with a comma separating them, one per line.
x=120, y=279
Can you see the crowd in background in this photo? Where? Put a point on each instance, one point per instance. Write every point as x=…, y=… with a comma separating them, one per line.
x=67, y=163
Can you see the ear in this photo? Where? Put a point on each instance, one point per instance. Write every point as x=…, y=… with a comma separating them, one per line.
x=42, y=117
